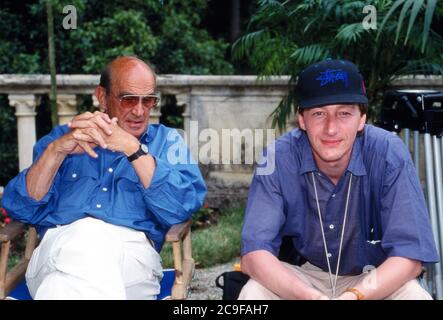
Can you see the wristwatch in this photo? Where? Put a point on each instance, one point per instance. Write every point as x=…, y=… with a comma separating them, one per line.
x=142, y=150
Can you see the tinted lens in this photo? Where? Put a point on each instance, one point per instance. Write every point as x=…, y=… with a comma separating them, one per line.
x=129, y=101
x=148, y=101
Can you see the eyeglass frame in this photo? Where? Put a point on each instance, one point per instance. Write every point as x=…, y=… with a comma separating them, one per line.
x=140, y=97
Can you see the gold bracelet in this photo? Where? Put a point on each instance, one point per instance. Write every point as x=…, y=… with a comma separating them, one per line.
x=358, y=294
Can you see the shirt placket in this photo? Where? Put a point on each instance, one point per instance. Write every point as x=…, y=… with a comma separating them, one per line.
x=332, y=224
x=103, y=199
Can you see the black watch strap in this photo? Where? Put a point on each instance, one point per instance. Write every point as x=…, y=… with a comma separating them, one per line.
x=142, y=150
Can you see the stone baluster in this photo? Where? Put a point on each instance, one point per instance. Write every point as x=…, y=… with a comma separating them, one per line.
x=191, y=132
x=154, y=117
x=66, y=107
x=95, y=103
x=25, y=112
x=184, y=99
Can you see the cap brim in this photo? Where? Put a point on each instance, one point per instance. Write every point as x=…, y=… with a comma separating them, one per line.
x=334, y=99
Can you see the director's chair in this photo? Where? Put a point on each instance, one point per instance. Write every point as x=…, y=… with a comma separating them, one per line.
x=174, y=285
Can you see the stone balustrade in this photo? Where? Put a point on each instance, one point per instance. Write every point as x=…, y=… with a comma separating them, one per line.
x=215, y=103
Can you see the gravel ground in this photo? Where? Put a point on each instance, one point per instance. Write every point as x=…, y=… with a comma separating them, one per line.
x=203, y=283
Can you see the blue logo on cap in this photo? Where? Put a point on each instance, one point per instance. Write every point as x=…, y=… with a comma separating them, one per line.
x=332, y=76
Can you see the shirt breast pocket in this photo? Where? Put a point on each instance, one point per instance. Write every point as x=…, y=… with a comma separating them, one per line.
x=78, y=182
x=374, y=252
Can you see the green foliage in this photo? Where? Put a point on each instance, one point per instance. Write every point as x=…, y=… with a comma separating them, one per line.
x=166, y=33
x=130, y=23
x=8, y=142
x=285, y=36
x=214, y=245
x=413, y=7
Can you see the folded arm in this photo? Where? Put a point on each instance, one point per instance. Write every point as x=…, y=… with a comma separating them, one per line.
x=390, y=276
x=270, y=272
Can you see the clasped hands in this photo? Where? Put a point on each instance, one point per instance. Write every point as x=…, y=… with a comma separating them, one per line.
x=89, y=130
x=343, y=296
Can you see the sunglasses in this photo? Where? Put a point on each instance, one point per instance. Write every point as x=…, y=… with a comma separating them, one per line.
x=131, y=100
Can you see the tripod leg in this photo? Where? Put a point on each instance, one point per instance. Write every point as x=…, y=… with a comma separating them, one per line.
x=433, y=209
x=439, y=187
x=417, y=151
x=406, y=137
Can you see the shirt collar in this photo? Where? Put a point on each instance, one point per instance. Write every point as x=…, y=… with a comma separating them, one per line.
x=356, y=166
x=307, y=159
x=147, y=136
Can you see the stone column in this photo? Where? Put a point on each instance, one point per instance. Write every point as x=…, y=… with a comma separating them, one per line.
x=154, y=117
x=25, y=112
x=66, y=107
x=96, y=104
x=184, y=99
x=191, y=132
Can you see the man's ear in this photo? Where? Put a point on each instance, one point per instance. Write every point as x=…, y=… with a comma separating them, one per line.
x=301, y=122
x=100, y=94
x=362, y=122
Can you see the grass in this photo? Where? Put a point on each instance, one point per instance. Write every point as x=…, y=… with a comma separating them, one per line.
x=217, y=244
x=17, y=250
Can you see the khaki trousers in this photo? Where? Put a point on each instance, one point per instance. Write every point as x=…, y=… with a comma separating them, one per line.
x=319, y=279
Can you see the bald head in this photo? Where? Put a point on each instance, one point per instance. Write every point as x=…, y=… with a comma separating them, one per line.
x=120, y=65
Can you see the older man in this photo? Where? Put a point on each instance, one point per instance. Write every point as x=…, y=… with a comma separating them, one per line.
x=348, y=196
x=103, y=192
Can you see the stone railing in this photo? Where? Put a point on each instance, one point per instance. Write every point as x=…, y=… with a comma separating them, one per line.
x=209, y=102
x=215, y=102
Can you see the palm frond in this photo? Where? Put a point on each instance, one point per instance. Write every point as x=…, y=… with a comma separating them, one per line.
x=309, y=54
x=354, y=6
x=430, y=8
x=350, y=33
x=288, y=35
x=242, y=47
x=270, y=11
x=403, y=12
x=414, y=12
x=284, y=110
x=388, y=15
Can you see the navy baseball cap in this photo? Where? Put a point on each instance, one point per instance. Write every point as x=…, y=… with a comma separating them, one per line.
x=330, y=82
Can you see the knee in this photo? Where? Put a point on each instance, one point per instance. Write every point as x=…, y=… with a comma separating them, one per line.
x=411, y=290
x=253, y=290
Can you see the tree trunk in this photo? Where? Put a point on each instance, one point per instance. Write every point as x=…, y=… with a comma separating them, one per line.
x=52, y=70
x=234, y=27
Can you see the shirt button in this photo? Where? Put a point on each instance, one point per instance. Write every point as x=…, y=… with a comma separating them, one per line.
x=319, y=174
x=110, y=170
x=99, y=205
x=333, y=195
x=74, y=175
x=329, y=255
x=331, y=226
x=105, y=189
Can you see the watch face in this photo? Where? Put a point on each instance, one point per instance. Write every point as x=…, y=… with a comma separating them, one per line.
x=144, y=148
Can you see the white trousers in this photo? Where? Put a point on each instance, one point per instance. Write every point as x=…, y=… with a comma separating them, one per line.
x=92, y=259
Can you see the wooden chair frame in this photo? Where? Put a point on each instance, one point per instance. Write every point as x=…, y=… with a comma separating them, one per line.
x=179, y=235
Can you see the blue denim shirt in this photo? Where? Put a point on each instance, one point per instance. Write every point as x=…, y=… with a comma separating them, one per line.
x=108, y=188
x=387, y=213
